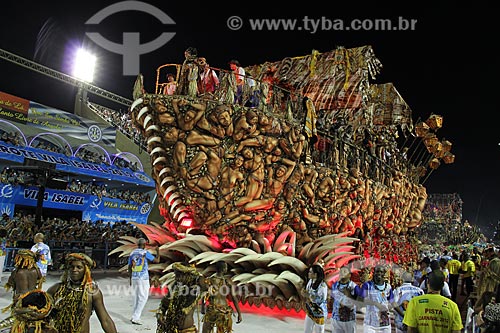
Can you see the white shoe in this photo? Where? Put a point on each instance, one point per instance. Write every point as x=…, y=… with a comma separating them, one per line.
x=136, y=322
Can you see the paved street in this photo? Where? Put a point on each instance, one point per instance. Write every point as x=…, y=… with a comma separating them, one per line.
x=118, y=303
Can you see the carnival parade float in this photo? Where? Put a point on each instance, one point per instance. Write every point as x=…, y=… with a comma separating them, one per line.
x=306, y=161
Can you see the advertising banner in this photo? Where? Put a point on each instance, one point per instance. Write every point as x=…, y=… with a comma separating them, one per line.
x=93, y=208
x=13, y=107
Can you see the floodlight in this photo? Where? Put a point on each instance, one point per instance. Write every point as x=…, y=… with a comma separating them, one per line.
x=84, y=66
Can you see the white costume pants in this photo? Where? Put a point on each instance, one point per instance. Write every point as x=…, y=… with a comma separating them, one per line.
x=140, y=293
x=343, y=326
x=311, y=327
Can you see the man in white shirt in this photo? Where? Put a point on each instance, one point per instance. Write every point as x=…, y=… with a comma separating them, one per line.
x=139, y=277
x=42, y=251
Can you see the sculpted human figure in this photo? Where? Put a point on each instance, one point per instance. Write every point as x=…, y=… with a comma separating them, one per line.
x=294, y=144
x=273, y=218
x=166, y=118
x=187, y=119
x=276, y=182
x=202, y=184
x=206, y=212
x=232, y=183
x=268, y=143
x=254, y=164
x=246, y=126
x=326, y=186
x=309, y=187
x=220, y=124
x=269, y=125
x=292, y=185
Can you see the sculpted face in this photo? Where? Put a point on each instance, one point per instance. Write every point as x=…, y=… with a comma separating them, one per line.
x=172, y=135
x=224, y=118
x=190, y=115
x=238, y=161
x=281, y=171
x=247, y=153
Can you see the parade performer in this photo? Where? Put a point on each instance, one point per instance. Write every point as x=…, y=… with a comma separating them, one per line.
x=315, y=294
x=76, y=296
x=175, y=314
x=42, y=250
x=218, y=312
x=25, y=277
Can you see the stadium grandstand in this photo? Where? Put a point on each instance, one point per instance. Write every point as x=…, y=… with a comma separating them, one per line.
x=69, y=177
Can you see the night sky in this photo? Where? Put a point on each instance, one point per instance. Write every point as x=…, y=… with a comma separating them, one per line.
x=445, y=66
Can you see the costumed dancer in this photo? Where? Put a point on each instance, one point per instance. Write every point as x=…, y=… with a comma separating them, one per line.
x=315, y=296
x=76, y=296
x=175, y=314
x=218, y=312
x=25, y=277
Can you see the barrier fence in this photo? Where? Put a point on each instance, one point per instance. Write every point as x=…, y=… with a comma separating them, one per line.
x=99, y=251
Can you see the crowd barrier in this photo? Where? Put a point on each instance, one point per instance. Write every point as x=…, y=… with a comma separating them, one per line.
x=99, y=251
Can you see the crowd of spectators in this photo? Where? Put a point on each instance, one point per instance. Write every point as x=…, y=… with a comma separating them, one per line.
x=22, y=227
x=100, y=189
x=451, y=233
x=52, y=147
x=15, y=177
x=68, y=235
x=91, y=156
x=122, y=121
x=443, y=207
x=13, y=138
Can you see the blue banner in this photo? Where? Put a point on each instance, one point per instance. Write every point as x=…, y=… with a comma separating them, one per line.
x=93, y=208
x=75, y=165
